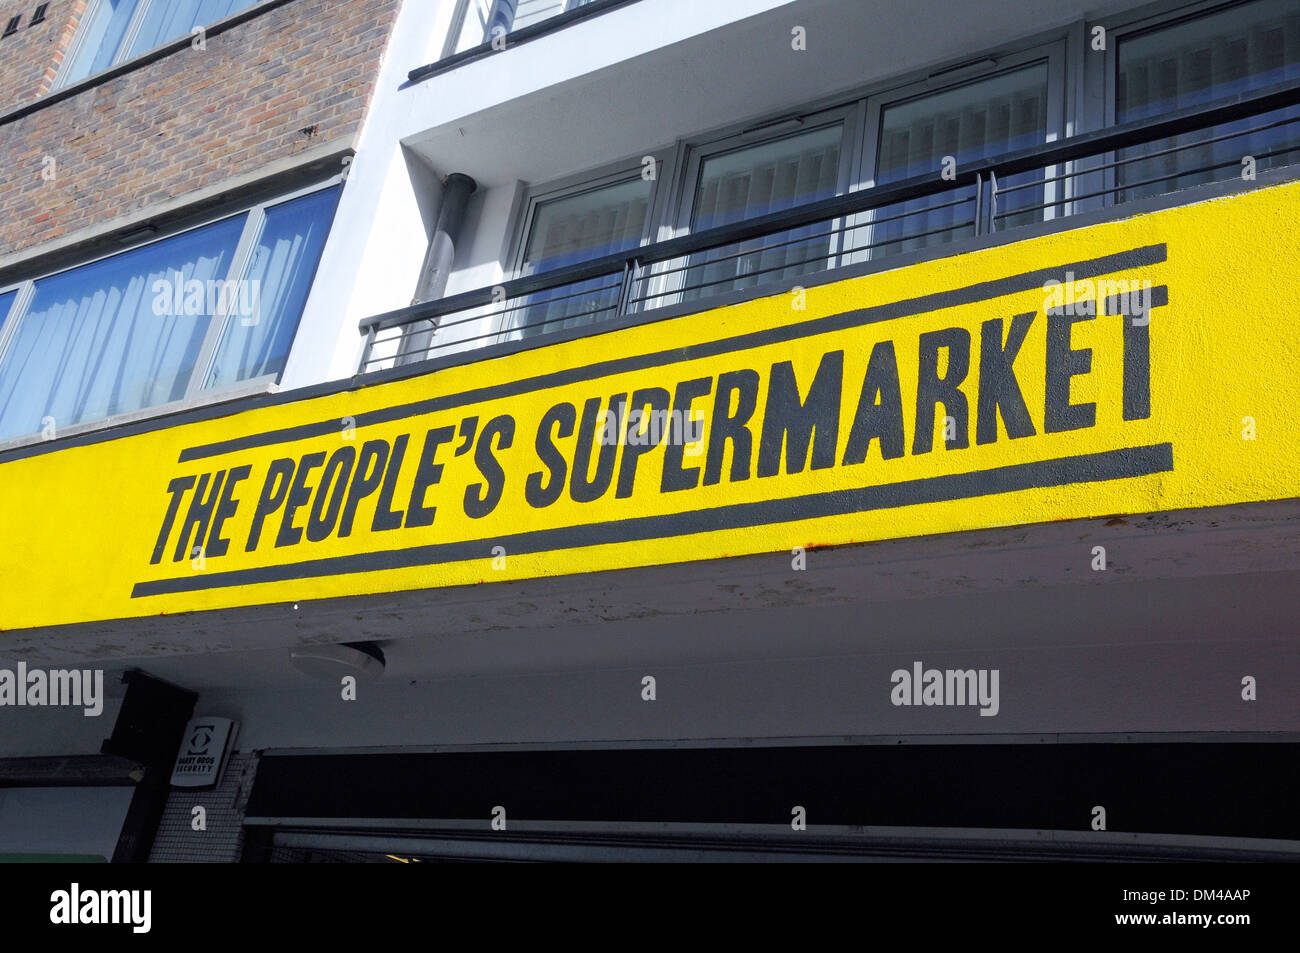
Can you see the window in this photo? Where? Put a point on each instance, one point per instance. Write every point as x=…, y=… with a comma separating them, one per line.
x=756, y=180
x=1198, y=61
x=914, y=134
x=574, y=227
x=279, y=275
x=970, y=122
x=529, y=12
x=114, y=31
x=195, y=312
x=7, y=299
x=786, y=164
x=587, y=225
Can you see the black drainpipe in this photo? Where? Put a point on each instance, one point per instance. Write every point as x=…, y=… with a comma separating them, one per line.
x=437, y=263
x=149, y=730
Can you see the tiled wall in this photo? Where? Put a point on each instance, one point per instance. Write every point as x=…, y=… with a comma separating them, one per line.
x=222, y=842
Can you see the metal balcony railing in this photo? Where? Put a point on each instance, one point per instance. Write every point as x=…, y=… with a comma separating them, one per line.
x=771, y=253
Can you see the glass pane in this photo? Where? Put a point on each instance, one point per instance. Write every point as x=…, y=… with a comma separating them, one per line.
x=767, y=178
x=970, y=123
x=574, y=229
x=101, y=38
x=6, y=302
x=758, y=180
x=114, y=336
x=588, y=225
x=265, y=306
x=1197, y=62
x=167, y=19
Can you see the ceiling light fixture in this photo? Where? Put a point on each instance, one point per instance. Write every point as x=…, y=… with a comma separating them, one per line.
x=329, y=663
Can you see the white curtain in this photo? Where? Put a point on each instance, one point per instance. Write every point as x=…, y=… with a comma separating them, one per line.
x=1198, y=62
x=277, y=280
x=528, y=12
x=108, y=338
x=92, y=344
x=757, y=181
x=100, y=37
x=983, y=119
x=571, y=230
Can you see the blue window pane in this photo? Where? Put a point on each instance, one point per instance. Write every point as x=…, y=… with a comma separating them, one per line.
x=167, y=20
x=115, y=336
x=6, y=302
x=271, y=295
x=101, y=37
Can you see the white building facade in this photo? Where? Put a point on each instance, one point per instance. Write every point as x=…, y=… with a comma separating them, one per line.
x=1061, y=644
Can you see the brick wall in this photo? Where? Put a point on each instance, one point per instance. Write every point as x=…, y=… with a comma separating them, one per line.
x=223, y=840
x=30, y=58
x=281, y=83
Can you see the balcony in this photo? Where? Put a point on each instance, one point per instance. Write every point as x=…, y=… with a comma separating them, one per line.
x=1135, y=164
x=482, y=27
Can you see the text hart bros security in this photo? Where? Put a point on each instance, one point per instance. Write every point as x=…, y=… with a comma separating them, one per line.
x=875, y=398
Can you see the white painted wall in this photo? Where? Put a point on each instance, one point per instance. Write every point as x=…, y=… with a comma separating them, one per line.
x=618, y=85
x=372, y=259
x=35, y=732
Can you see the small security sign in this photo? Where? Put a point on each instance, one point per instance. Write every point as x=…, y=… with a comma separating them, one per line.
x=203, y=752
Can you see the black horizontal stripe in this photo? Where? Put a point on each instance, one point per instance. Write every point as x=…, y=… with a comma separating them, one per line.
x=1144, y=256
x=1085, y=468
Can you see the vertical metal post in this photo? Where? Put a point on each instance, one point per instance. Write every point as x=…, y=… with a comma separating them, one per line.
x=993, y=202
x=366, y=349
x=630, y=269
x=979, y=205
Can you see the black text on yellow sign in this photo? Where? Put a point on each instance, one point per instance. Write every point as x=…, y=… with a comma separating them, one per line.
x=873, y=394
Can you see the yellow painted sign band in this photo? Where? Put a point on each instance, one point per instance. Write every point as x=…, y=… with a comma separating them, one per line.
x=1144, y=364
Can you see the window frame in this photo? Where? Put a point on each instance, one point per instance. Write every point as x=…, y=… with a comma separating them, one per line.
x=123, y=53
x=531, y=197
x=691, y=153
x=196, y=393
x=567, y=5
x=694, y=152
x=1055, y=53
x=1101, y=73
x=17, y=308
x=1143, y=20
x=614, y=173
